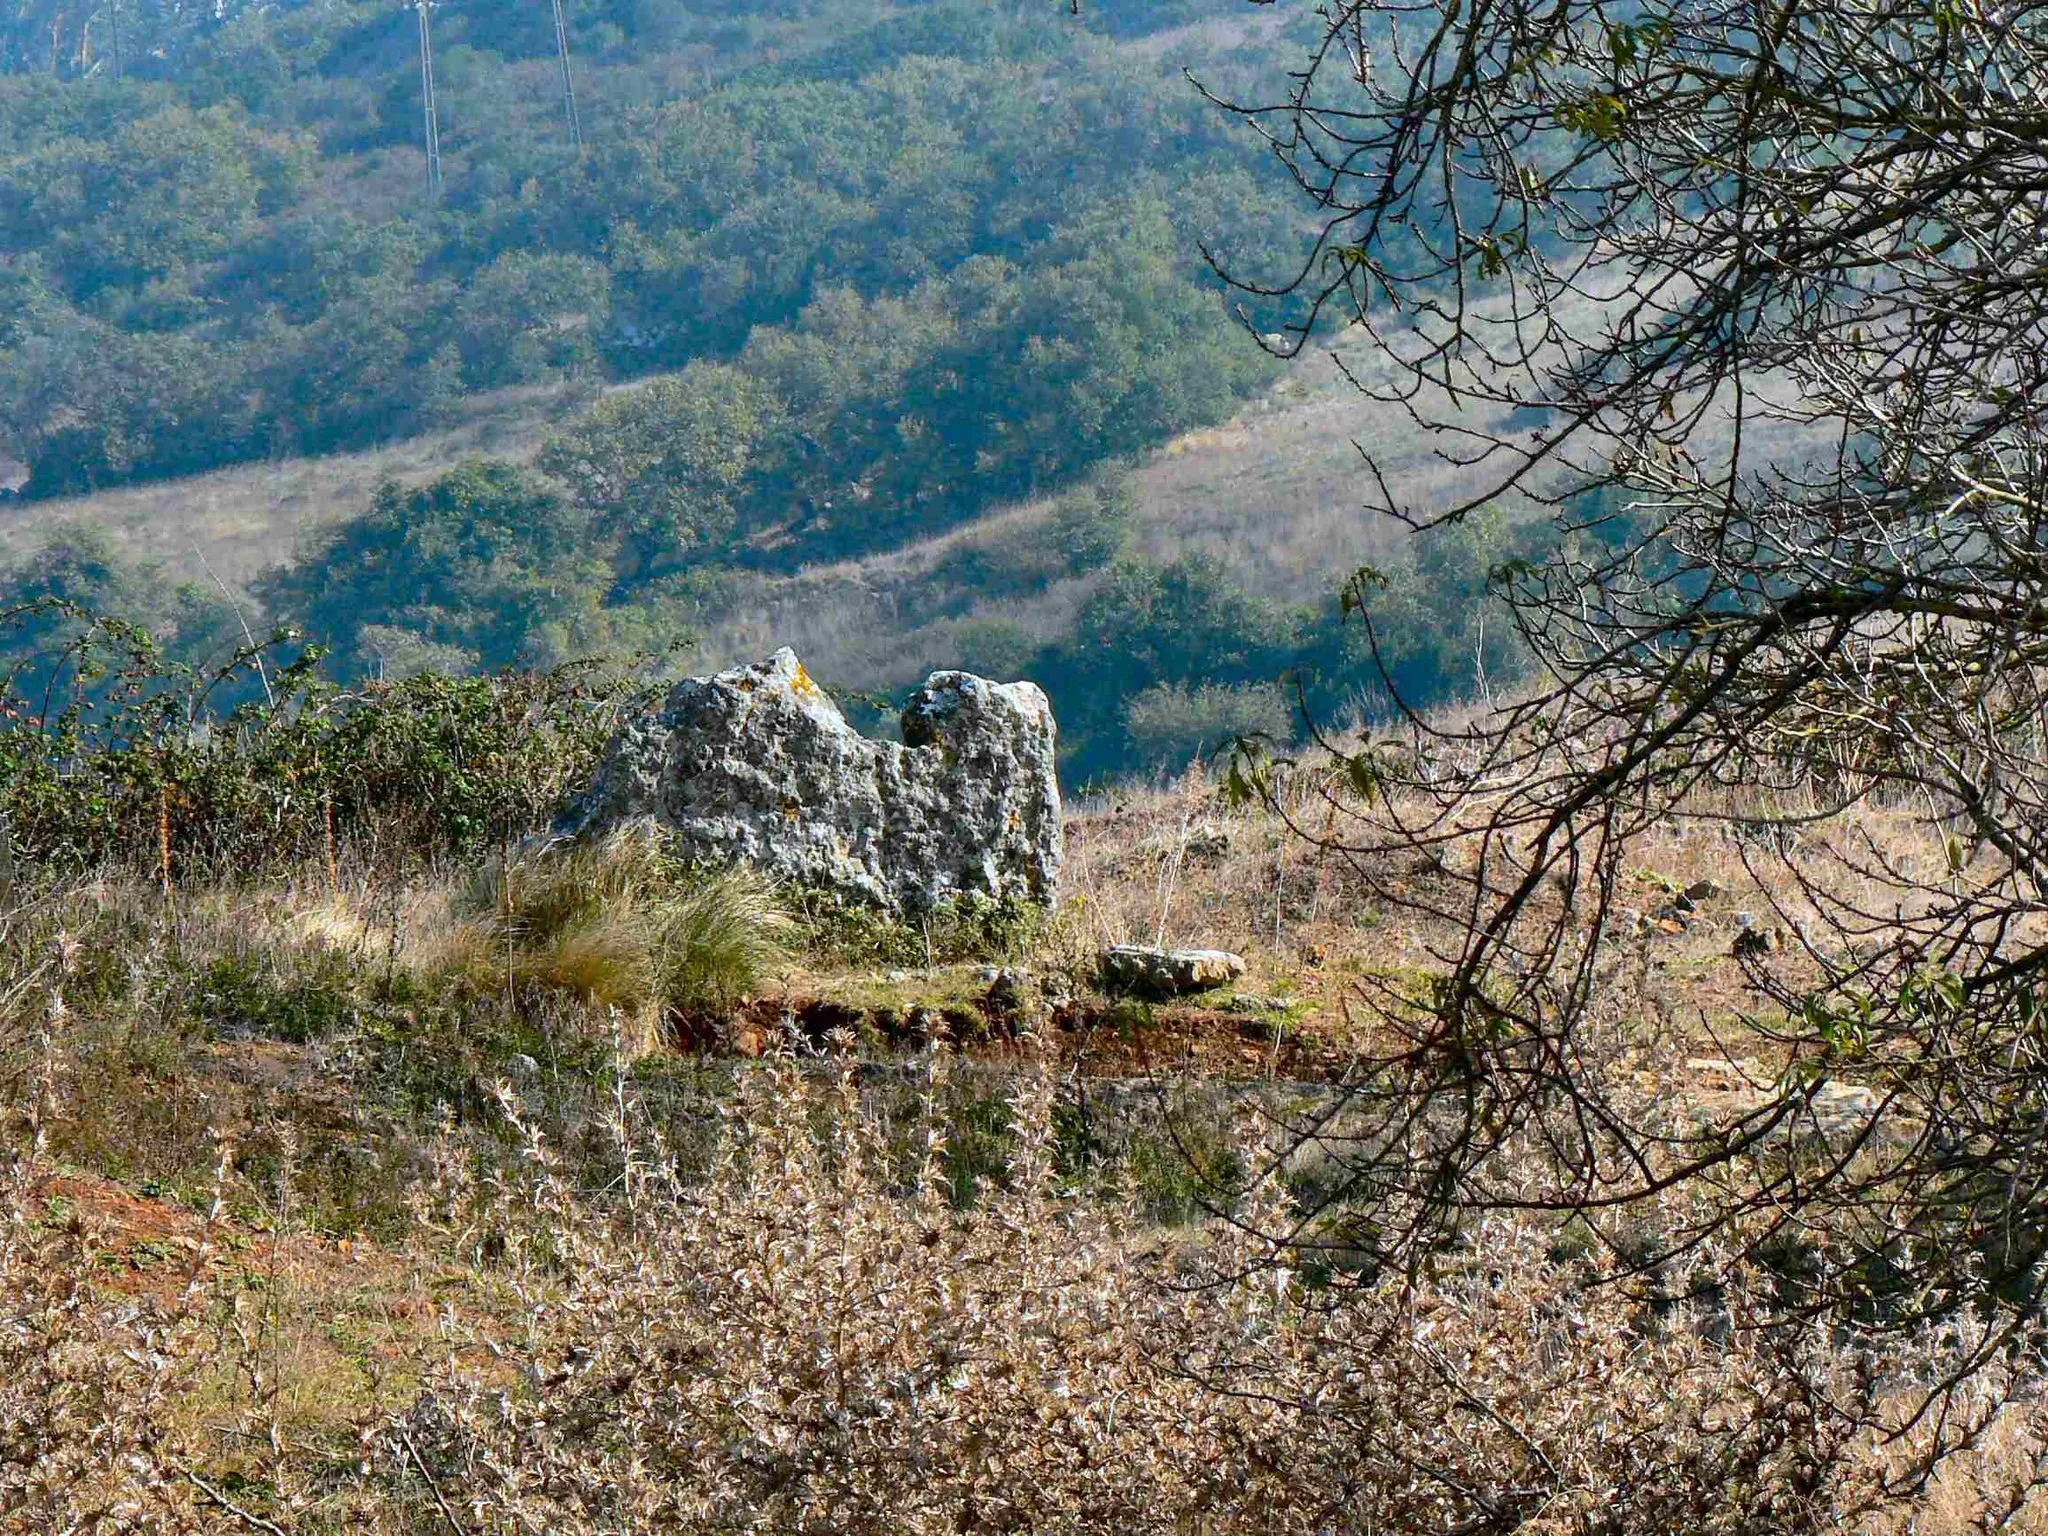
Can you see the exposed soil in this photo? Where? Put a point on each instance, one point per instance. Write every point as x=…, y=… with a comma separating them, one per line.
x=1097, y=1037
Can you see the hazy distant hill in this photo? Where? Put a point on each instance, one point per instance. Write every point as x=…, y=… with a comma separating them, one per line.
x=878, y=330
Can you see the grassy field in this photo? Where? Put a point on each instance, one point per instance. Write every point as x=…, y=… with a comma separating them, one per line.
x=242, y=521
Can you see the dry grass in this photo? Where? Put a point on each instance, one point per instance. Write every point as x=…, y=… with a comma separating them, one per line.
x=617, y=926
x=245, y=519
x=801, y=1325
x=1181, y=863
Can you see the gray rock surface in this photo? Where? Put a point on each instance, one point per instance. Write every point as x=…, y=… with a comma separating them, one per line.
x=1169, y=972
x=757, y=766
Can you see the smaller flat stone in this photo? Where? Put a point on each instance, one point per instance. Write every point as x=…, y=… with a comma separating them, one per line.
x=1169, y=972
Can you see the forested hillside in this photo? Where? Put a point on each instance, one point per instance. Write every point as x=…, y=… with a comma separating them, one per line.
x=872, y=271
x=224, y=244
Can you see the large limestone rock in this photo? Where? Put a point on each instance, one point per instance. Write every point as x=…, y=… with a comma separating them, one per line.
x=757, y=766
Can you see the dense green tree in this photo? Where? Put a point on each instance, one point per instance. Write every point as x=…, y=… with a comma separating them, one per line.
x=367, y=369
x=80, y=571
x=491, y=561
x=1170, y=725
x=527, y=316
x=162, y=193
x=303, y=262
x=1439, y=630
x=257, y=196
x=94, y=402
x=1168, y=632
x=663, y=469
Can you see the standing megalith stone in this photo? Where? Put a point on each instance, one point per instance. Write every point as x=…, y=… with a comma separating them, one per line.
x=757, y=766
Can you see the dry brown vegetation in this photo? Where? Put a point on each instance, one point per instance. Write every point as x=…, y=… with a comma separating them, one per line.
x=884, y=1247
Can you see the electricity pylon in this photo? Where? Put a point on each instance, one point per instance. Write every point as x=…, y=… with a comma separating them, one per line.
x=568, y=81
x=433, y=117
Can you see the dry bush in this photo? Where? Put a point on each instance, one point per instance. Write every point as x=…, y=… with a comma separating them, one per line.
x=89, y=1380
x=813, y=1329
x=86, y=1384
x=814, y=1339
x=811, y=1335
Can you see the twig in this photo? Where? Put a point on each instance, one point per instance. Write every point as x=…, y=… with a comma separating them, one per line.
x=1279, y=887
x=253, y=1521
x=1172, y=879
x=433, y=1487
x=255, y=652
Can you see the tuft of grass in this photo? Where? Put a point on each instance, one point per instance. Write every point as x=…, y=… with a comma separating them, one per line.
x=618, y=924
x=721, y=941
x=555, y=888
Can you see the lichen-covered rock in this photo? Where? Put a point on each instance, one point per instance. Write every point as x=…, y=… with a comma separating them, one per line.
x=757, y=766
x=1168, y=972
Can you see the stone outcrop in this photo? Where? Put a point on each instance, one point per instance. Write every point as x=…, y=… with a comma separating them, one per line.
x=757, y=766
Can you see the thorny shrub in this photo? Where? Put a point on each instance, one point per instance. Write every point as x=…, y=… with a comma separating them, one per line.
x=87, y=1382
x=814, y=1339
x=85, y=1386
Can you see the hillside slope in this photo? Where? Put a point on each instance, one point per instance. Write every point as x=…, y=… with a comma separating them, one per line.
x=245, y=519
x=1274, y=494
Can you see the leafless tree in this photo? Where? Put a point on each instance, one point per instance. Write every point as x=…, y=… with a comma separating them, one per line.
x=1766, y=286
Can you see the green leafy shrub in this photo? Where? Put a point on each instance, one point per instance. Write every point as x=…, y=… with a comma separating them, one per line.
x=246, y=994
x=490, y=558
x=114, y=752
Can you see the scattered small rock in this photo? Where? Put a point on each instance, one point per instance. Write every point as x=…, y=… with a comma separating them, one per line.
x=1009, y=991
x=1704, y=890
x=1844, y=1108
x=1725, y=1074
x=1757, y=940
x=1169, y=972
x=1671, y=920
x=522, y=1067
